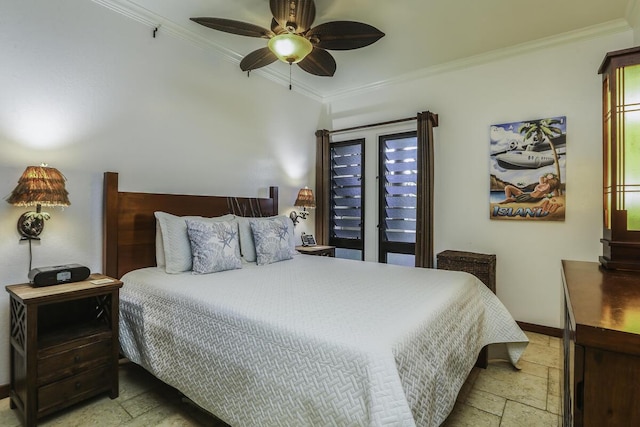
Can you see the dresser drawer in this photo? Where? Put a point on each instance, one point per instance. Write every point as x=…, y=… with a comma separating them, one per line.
x=73, y=361
x=68, y=391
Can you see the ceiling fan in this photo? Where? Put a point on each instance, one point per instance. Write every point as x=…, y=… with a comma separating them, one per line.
x=293, y=40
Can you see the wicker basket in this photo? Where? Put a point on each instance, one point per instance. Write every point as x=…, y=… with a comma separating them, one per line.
x=483, y=266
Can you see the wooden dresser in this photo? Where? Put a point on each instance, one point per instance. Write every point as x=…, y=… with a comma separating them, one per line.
x=601, y=350
x=64, y=344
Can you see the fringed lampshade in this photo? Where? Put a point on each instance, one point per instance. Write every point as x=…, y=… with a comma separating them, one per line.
x=304, y=200
x=38, y=186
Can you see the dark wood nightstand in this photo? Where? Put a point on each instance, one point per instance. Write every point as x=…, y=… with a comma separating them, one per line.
x=318, y=250
x=64, y=344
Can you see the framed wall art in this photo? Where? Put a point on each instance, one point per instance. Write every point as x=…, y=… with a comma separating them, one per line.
x=527, y=170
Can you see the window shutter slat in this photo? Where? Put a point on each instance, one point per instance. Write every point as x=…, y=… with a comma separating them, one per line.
x=346, y=214
x=400, y=189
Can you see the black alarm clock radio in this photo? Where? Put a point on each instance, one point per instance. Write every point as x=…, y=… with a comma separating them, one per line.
x=54, y=275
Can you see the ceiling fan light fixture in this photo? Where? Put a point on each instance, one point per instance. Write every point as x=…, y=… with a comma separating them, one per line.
x=290, y=48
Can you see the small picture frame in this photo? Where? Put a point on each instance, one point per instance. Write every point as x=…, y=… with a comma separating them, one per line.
x=308, y=240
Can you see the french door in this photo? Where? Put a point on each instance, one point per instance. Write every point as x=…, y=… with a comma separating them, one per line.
x=397, y=196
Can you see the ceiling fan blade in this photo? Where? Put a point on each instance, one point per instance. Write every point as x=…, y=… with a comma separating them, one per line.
x=257, y=58
x=344, y=35
x=276, y=28
x=294, y=15
x=234, y=27
x=319, y=62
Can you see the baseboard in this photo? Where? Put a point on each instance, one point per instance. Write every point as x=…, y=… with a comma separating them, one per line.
x=544, y=330
x=4, y=391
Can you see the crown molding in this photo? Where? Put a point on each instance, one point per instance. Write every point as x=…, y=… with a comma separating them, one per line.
x=633, y=14
x=153, y=20
x=164, y=25
x=607, y=28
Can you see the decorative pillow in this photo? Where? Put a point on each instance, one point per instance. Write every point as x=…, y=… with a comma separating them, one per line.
x=160, y=261
x=271, y=238
x=175, y=241
x=247, y=245
x=214, y=245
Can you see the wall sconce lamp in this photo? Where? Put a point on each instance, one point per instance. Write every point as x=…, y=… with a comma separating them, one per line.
x=38, y=186
x=304, y=200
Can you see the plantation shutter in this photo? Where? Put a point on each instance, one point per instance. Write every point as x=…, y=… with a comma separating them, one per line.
x=398, y=196
x=346, y=222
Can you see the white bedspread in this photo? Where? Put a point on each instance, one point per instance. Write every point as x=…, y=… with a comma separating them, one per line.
x=314, y=341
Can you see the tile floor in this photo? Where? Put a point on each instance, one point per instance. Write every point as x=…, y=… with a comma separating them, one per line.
x=499, y=396
x=502, y=396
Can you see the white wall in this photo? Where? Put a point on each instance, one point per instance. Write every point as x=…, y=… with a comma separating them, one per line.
x=633, y=16
x=558, y=81
x=87, y=90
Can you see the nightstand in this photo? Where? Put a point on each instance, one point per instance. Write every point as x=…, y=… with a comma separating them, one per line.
x=318, y=250
x=483, y=266
x=64, y=345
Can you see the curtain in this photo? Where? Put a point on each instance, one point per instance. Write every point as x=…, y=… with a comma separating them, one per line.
x=322, y=186
x=424, y=212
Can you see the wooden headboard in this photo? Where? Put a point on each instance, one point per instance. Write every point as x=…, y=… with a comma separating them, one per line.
x=129, y=226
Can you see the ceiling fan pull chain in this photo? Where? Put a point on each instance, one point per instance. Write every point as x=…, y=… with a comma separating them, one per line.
x=290, y=75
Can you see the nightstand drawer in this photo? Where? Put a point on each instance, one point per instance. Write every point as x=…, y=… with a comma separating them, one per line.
x=73, y=389
x=73, y=361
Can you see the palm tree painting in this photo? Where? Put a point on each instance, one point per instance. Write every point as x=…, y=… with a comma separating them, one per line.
x=527, y=161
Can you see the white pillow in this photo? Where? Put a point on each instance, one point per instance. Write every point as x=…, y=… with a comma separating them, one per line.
x=271, y=237
x=247, y=245
x=175, y=240
x=214, y=245
x=160, y=261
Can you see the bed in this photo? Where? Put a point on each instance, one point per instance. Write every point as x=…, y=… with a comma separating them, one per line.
x=308, y=341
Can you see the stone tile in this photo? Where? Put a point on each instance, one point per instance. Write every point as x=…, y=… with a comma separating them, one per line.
x=514, y=385
x=135, y=380
x=487, y=402
x=8, y=416
x=468, y=385
x=161, y=416
x=100, y=411
x=539, y=339
x=555, y=383
x=468, y=416
x=175, y=415
x=143, y=403
x=526, y=367
x=555, y=342
x=518, y=415
x=542, y=355
x=553, y=404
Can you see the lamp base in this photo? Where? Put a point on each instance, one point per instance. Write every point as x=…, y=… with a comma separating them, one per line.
x=30, y=225
x=631, y=265
x=295, y=215
x=620, y=255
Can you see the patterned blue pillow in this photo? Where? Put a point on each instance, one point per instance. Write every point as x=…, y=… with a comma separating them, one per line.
x=271, y=238
x=214, y=246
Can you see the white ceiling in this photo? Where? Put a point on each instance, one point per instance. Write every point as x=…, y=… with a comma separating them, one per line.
x=422, y=36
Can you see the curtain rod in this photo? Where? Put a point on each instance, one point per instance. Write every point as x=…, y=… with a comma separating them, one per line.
x=390, y=122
